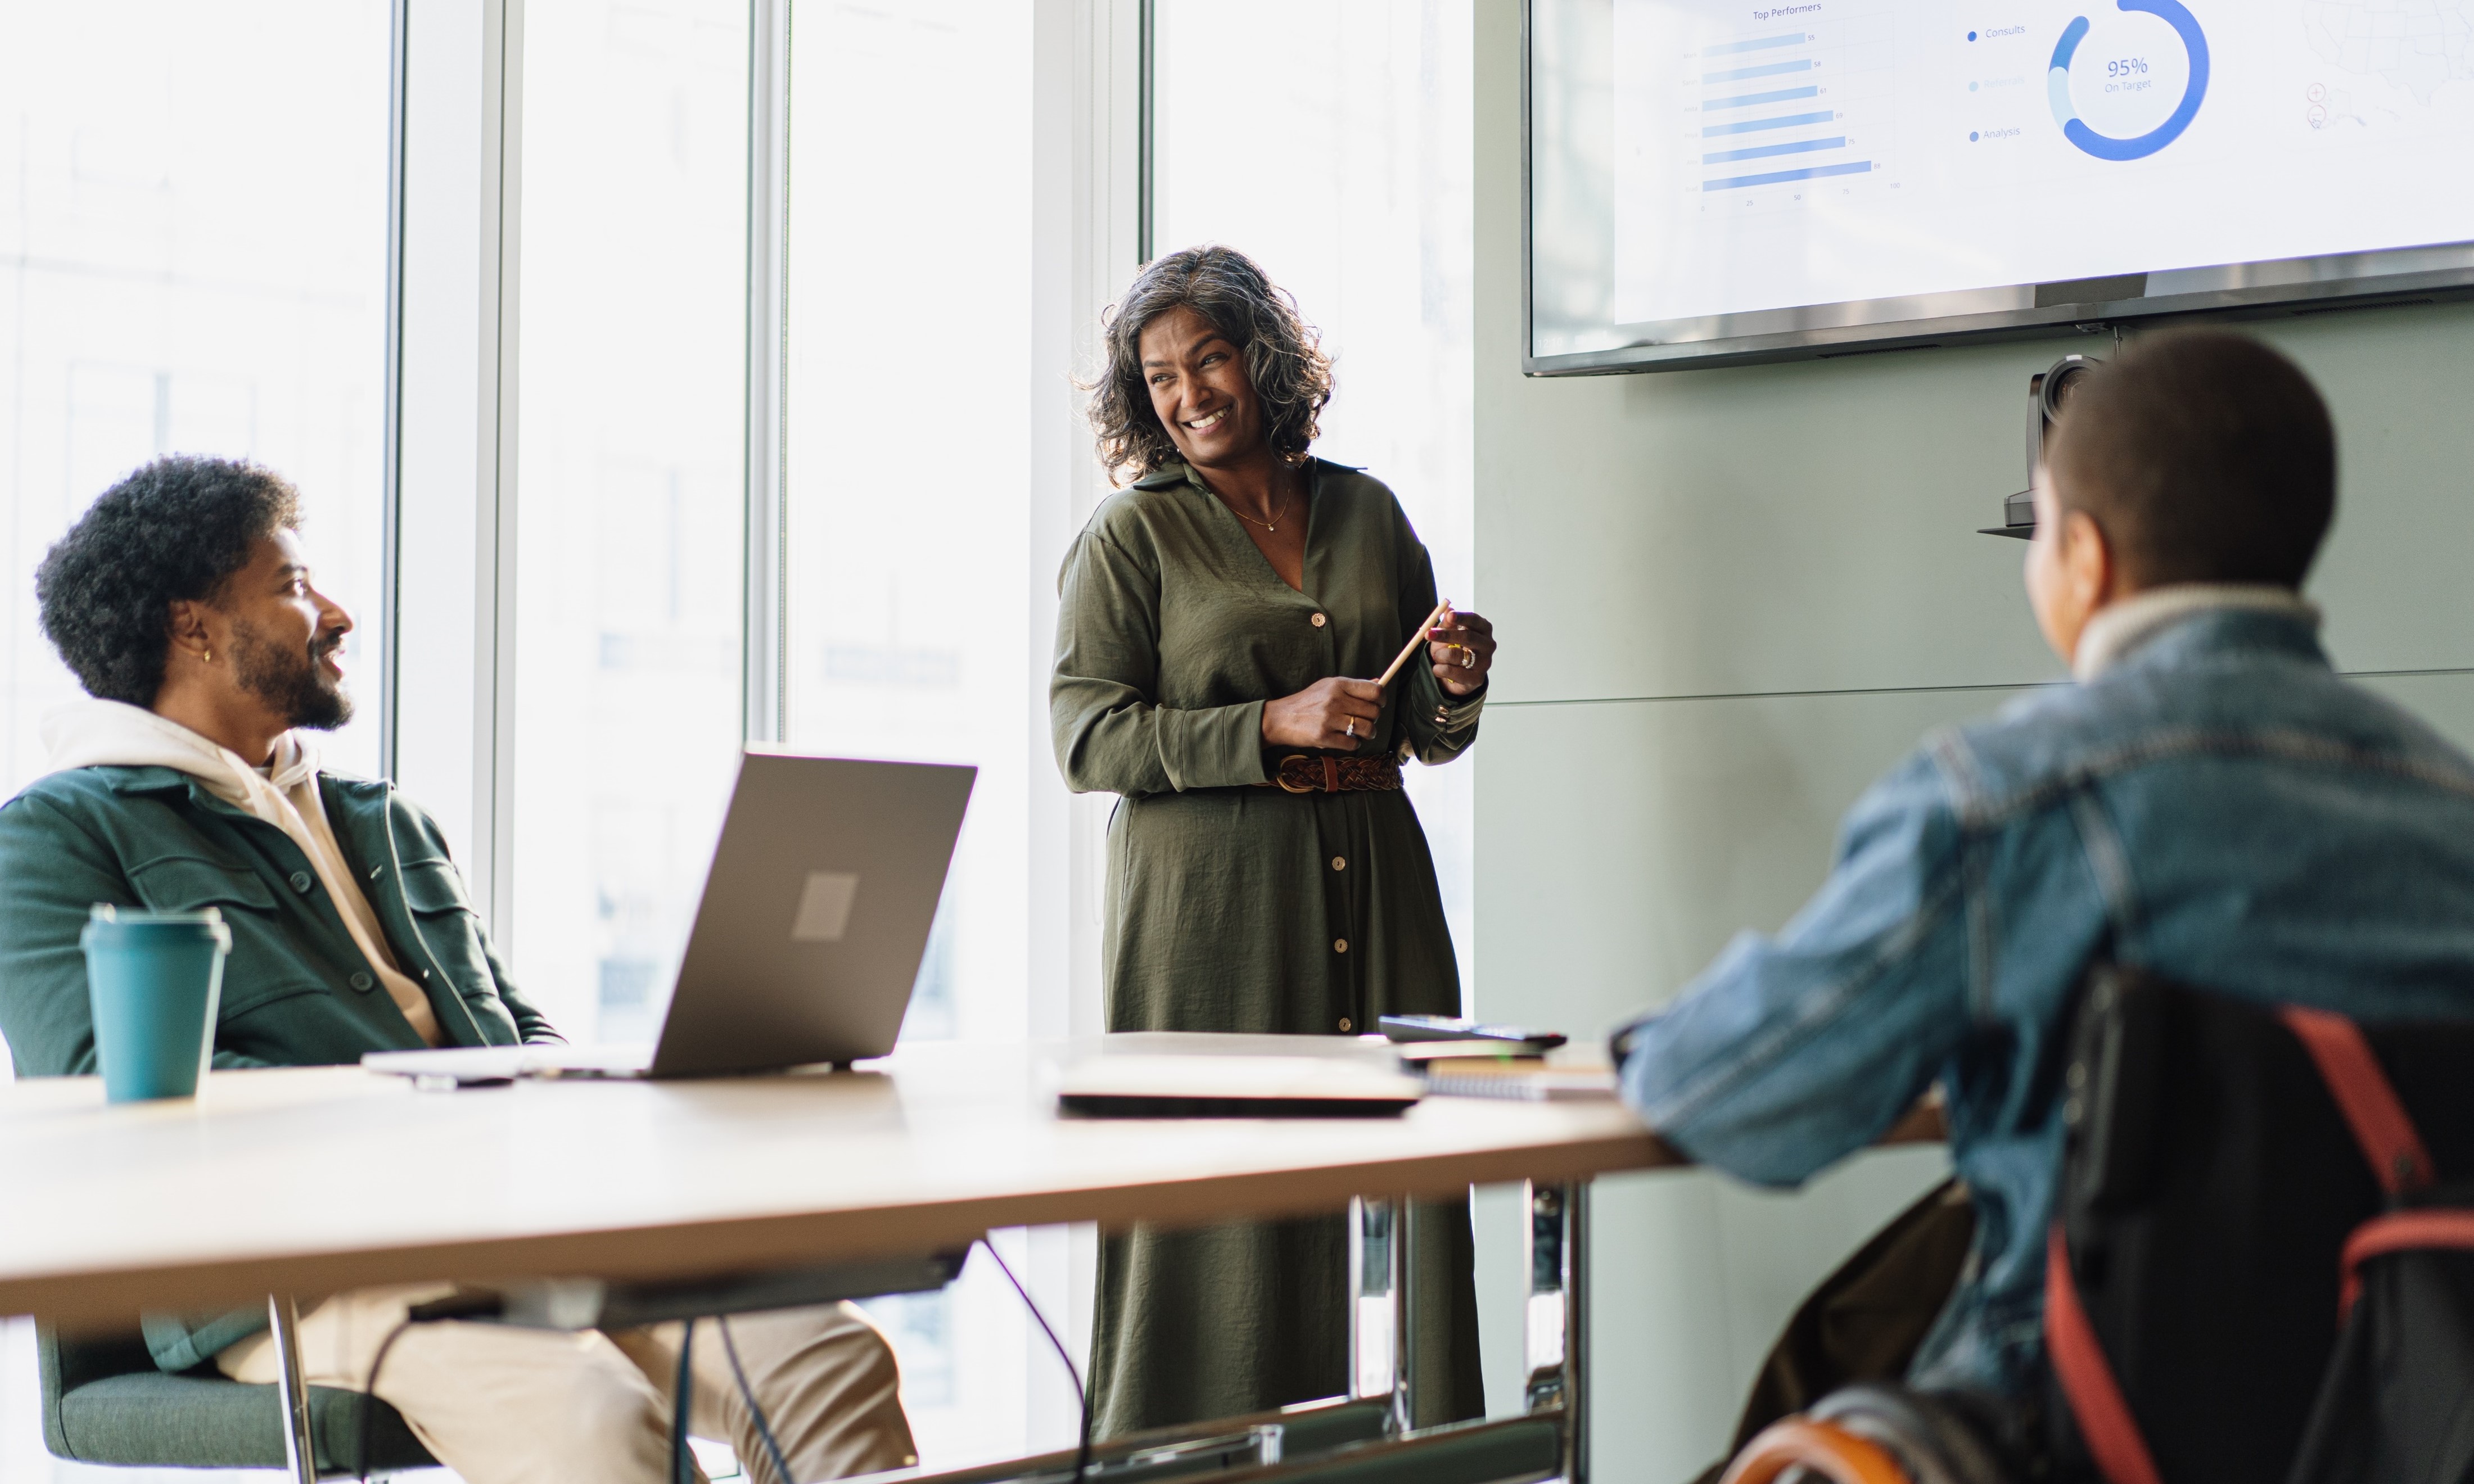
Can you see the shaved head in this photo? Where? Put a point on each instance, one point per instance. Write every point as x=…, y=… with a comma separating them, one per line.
x=2204, y=456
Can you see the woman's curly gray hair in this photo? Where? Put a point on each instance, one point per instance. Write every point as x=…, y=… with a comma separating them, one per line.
x=1284, y=358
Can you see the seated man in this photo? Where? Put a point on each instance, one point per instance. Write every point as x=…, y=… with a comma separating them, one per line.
x=181, y=602
x=2209, y=803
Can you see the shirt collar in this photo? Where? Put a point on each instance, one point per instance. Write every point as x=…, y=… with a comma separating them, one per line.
x=2118, y=628
x=1176, y=471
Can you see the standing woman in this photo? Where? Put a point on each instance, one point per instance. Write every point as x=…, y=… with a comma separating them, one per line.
x=1222, y=621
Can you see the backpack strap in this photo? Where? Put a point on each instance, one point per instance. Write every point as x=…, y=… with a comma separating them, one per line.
x=2112, y=1434
x=2402, y=1231
x=2365, y=1097
x=2398, y=1161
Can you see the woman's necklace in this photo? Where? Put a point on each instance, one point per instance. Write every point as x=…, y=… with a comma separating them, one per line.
x=1271, y=524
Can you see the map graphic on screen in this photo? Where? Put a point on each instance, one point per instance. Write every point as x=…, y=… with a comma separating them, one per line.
x=1696, y=162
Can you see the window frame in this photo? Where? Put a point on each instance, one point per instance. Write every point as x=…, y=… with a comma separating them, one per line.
x=452, y=423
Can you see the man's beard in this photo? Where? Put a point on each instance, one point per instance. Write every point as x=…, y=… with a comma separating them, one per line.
x=289, y=680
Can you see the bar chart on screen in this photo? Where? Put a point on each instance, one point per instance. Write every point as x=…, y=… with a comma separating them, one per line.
x=1787, y=112
x=1775, y=153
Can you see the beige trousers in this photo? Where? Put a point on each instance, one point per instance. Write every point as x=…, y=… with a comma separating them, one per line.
x=501, y=1404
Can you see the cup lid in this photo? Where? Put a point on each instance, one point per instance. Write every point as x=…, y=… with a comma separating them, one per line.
x=108, y=912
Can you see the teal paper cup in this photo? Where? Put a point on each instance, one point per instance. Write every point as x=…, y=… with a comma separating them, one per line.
x=154, y=979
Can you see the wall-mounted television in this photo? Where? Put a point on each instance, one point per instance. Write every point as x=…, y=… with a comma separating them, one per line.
x=1716, y=180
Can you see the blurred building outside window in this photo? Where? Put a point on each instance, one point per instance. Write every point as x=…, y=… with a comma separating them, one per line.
x=630, y=500
x=194, y=237
x=177, y=289
x=907, y=459
x=193, y=259
x=1354, y=195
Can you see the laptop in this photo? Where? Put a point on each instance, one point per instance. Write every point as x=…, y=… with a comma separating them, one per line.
x=807, y=939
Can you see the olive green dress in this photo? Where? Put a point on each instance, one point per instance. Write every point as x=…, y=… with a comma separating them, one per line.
x=1235, y=907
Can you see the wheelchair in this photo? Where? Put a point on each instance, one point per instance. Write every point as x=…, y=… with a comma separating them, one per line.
x=2227, y=1162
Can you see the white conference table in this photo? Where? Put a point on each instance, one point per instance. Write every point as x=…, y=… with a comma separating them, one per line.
x=314, y=1180
x=304, y=1181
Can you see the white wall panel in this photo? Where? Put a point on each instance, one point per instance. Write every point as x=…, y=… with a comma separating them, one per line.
x=1620, y=845
x=1623, y=843
x=2445, y=701
x=1812, y=526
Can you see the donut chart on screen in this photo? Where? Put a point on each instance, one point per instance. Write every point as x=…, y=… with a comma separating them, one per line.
x=2066, y=113
x=1715, y=182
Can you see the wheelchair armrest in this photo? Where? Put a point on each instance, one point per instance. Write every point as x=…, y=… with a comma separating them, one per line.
x=1825, y=1449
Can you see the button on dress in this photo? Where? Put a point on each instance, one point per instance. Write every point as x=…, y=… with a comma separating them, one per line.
x=1228, y=908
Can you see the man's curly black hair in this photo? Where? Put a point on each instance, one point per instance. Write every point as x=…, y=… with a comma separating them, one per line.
x=175, y=529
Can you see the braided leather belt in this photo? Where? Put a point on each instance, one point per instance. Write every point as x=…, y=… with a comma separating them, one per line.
x=1301, y=773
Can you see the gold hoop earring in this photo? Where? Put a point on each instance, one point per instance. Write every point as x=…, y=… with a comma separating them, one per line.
x=208, y=656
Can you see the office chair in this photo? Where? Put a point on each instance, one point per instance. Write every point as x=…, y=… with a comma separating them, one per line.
x=105, y=1402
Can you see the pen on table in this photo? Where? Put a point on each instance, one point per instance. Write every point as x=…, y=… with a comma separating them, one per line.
x=1442, y=612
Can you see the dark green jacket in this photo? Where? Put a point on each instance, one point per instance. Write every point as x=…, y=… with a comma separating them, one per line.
x=297, y=991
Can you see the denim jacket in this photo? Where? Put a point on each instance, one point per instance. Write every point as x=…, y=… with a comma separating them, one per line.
x=2218, y=807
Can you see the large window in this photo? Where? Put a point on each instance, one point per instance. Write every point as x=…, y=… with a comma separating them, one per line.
x=1353, y=122
x=193, y=259
x=197, y=258
x=629, y=543
x=909, y=451
x=908, y=448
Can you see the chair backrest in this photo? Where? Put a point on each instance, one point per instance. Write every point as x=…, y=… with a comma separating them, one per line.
x=2208, y=1190
x=63, y=1365
x=92, y=1357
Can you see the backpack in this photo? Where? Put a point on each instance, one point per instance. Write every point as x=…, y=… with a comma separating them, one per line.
x=2255, y=1272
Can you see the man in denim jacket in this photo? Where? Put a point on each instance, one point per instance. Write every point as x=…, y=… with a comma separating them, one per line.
x=2209, y=802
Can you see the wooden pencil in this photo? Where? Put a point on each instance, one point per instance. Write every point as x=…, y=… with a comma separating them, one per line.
x=1442, y=611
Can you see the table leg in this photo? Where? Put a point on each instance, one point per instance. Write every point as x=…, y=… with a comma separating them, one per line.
x=300, y=1443
x=1404, y=1327
x=1557, y=1343
x=1379, y=1342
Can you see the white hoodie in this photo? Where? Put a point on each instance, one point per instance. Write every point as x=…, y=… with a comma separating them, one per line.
x=88, y=732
